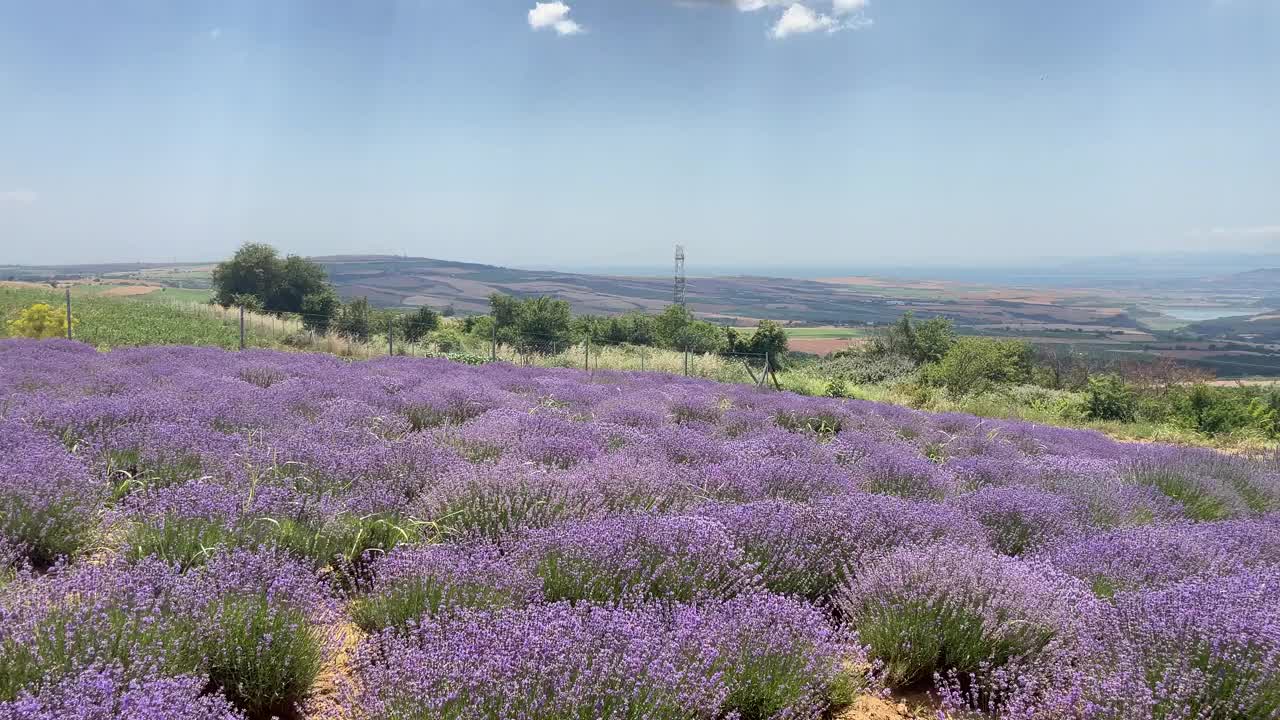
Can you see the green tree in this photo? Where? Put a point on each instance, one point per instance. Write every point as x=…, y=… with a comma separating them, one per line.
x=254, y=270
x=248, y=301
x=634, y=328
x=1264, y=412
x=505, y=311
x=670, y=327
x=539, y=324
x=769, y=338
x=1212, y=411
x=319, y=308
x=415, y=326
x=923, y=342
x=975, y=364
x=280, y=285
x=544, y=324
x=354, y=320
x=1109, y=397
x=298, y=279
x=701, y=336
x=733, y=341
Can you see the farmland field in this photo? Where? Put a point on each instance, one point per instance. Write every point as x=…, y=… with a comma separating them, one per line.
x=823, y=340
x=194, y=533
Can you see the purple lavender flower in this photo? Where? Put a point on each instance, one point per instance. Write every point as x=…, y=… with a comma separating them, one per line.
x=811, y=549
x=1020, y=519
x=48, y=499
x=933, y=609
x=1160, y=555
x=105, y=694
x=637, y=559
x=758, y=657
x=412, y=583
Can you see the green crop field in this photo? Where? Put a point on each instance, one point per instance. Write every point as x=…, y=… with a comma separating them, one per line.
x=827, y=333
x=108, y=322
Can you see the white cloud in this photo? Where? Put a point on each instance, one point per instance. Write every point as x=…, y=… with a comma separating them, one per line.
x=554, y=15
x=18, y=198
x=845, y=7
x=799, y=19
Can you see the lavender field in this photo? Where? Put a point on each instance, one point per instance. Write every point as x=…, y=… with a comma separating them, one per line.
x=193, y=533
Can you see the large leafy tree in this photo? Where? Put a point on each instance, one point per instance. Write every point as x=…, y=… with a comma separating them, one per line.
x=416, y=325
x=355, y=320
x=278, y=284
x=254, y=270
x=769, y=338
x=921, y=342
x=540, y=324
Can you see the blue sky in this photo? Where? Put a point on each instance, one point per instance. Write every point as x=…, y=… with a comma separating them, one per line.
x=755, y=132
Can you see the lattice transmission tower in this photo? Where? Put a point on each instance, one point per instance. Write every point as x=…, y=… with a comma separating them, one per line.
x=681, y=282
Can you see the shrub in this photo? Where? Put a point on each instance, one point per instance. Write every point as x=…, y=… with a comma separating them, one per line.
x=863, y=368
x=973, y=364
x=835, y=389
x=544, y=662
x=1020, y=519
x=1201, y=496
x=263, y=654
x=775, y=657
x=504, y=500
x=107, y=694
x=414, y=326
x=1154, y=557
x=1108, y=397
x=1212, y=411
x=75, y=620
x=48, y=500
x=259, y=617
x=637, y=559
x=1208, y=649
x=810, y=550
x=41, y=320
x=756, y=658
x=414, y=583
x=922, y=610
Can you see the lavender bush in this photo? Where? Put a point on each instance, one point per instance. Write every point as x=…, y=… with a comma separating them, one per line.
x=945, y=608
x=638, y=559
x=415, y=583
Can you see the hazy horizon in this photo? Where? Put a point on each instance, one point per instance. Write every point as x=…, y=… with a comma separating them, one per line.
x=595, y=133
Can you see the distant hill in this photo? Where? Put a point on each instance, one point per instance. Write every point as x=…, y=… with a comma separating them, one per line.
x=390, y=281
x=395, y=281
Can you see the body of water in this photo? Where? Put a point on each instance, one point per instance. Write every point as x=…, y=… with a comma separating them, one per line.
x=1198, y=313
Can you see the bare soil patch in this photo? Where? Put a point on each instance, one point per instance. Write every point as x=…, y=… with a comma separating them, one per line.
x=820, y=346
x=874, y=707
x=325, y=699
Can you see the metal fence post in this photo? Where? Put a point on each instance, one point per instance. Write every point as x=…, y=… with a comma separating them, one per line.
x=586, y=357
x=686, y=361
x=241, y=327
x=68, y=312
x=493, y=341
x=391, y=332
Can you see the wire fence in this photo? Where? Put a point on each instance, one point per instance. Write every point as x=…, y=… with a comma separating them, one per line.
x=380, y=334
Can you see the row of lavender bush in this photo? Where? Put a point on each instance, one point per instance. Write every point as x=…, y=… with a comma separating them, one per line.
x=187, y=533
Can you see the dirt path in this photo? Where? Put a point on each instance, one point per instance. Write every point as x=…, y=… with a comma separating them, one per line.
x=871, y=707
x=334, y=681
